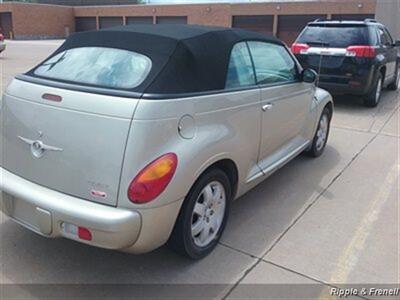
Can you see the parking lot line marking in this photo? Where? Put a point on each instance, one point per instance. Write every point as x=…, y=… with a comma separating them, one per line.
x=324, y=294
x=350, y=255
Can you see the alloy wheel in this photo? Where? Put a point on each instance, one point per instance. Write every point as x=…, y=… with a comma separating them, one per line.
x=378, y=91
x=322, y=132
x=208, y=214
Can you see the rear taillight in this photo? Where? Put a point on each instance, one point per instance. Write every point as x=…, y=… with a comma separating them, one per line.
x=300, y=48
x=1, y=37
x=153, y=179
x=360, y=51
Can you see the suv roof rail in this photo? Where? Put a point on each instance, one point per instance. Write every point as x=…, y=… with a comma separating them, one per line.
x=319, y=20
x=370, y=21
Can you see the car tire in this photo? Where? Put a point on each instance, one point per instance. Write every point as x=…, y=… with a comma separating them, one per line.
x=372, y=99
x=321, y=135
x=206, y=206
x=396, y=83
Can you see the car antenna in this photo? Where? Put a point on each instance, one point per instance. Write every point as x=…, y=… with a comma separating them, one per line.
x=320, y=64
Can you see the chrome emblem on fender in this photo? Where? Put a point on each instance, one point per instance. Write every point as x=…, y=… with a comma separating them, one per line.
x=38, y=148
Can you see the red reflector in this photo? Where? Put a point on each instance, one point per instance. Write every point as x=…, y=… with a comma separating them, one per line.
x=299, y=48
x=361, y=51
x=84, y=234
x=52, y=97
x=153, y=179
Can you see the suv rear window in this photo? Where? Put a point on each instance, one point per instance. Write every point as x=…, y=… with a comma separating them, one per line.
x=106, y=67
x=334, y=36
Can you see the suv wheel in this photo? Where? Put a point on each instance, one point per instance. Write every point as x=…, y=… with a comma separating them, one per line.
x=373, y=98
x=321, y=136
x=395, y=85
x=203, y=216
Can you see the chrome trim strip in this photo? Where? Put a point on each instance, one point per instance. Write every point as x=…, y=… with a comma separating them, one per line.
x=280, y=163
x=275, y=166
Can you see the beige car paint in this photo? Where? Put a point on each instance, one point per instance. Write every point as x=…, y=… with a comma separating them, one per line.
x=228, y=125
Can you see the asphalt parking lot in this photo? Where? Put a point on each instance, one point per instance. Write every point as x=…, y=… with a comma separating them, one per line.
x=329, y=220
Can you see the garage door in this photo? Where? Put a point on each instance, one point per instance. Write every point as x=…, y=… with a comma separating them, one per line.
x=108, y=22
x=6, y=24
x=350, y=17
x=262, y=24
x=290, y=26
x=85, y=23
x=139, y=20
x=171, y=20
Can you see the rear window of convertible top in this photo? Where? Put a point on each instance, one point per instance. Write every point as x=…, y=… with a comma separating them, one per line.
x=105, y=67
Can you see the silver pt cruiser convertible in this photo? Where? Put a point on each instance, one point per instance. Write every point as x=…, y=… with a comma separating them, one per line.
x=132, y=137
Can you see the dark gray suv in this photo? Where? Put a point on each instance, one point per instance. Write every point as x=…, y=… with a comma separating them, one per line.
x=352, y=57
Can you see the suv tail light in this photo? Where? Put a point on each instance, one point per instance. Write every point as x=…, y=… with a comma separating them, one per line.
x=299, y=48
x=153, y=179
x=1, y=37
x=360, y=51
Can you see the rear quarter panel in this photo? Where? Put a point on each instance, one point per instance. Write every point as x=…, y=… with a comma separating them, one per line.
x=226, y=126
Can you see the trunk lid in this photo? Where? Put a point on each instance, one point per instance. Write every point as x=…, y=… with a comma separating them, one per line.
x=75, y=146
x=329, y=61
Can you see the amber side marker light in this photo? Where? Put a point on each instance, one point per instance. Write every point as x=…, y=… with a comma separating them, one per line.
x=153, y=179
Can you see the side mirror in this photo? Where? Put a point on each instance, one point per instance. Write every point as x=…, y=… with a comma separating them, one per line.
x=397, y=43
x=309, y=76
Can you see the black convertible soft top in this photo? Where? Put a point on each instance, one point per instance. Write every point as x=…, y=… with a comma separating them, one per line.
x=185, y=58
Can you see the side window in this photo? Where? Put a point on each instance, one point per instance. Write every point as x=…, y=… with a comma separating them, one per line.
x=383, y=37
x=240, y=70
x=273, y=63
x=389, y=37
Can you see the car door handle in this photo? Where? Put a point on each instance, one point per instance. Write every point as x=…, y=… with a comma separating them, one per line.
x=267, y=106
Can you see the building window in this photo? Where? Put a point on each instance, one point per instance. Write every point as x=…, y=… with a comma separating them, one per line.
x=85, y=23
x=261, y=24
x=139, y=20
x=353, y=17
x=108, y=22
x=6, y=24
x=290, y=26
x=172, y=20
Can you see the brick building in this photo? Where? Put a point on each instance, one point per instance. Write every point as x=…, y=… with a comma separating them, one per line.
x=284, y=19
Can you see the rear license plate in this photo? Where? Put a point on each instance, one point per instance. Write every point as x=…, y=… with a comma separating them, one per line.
x=25, y=213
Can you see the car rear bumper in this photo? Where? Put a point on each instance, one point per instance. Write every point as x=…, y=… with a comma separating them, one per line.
x=355, y=85
x=342, y=75
x=340, y=89
x=44, y=211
